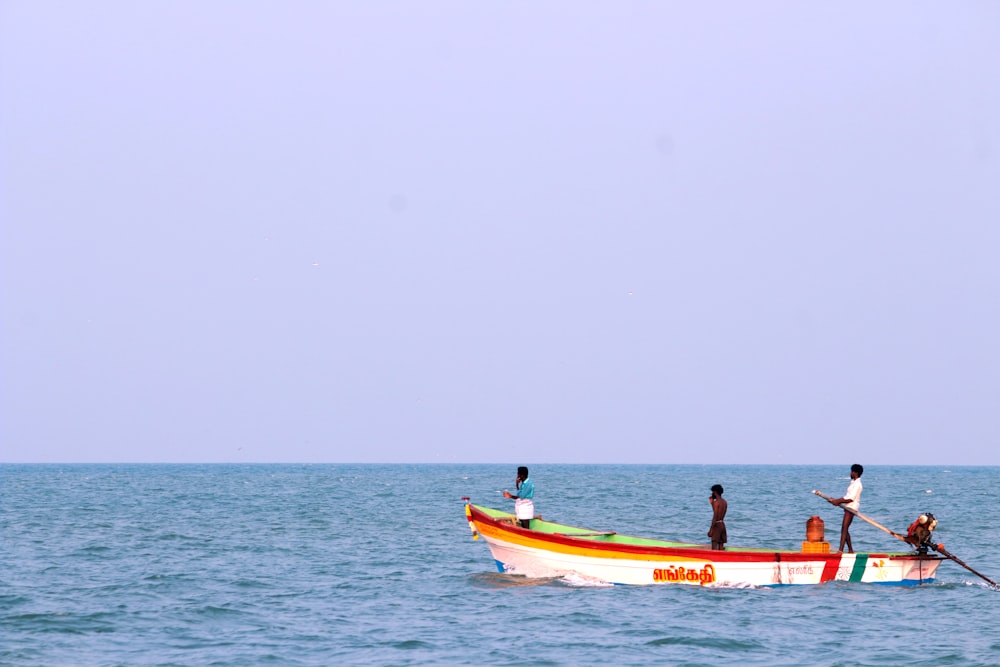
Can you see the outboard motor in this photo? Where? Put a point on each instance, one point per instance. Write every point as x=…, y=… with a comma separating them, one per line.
x=919, y=532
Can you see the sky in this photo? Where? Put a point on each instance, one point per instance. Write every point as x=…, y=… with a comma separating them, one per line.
x=458, y=232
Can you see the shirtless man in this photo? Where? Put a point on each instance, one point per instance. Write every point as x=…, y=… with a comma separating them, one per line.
x=717, y=531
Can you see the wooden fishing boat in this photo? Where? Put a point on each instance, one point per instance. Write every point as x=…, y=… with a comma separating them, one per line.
x=549, y=549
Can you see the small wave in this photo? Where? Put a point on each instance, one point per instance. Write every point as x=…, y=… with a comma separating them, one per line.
x=737, y=585
x=173, y=577
x=410, y=644
x=175, y=537
x=63, y=623
x=250, y=583
x=720, y=643
x=215, y=611
x=94, y=549
x=578, y=580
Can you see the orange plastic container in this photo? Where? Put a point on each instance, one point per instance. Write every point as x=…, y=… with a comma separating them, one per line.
x=814, y=529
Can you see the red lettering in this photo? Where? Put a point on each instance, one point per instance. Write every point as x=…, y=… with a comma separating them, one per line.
x=705, y=575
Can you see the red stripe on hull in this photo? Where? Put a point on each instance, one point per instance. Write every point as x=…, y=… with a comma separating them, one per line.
x=830, y=570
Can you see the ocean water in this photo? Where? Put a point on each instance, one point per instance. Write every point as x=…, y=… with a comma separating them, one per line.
x=375, y=565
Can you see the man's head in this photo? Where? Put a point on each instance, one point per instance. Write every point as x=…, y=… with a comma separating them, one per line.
x=857, y=469
x=522, y=472
x=717, y=489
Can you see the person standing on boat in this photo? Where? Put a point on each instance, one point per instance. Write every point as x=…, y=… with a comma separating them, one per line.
x=852, y=499
x=524, y=504
x=717, y=531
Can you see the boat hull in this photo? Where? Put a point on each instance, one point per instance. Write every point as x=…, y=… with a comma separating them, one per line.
x=555, y=550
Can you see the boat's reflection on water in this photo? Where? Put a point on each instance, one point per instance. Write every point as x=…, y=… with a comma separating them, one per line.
x=502, y=580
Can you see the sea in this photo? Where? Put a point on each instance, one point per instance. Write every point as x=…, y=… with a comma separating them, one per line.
x=336, y=564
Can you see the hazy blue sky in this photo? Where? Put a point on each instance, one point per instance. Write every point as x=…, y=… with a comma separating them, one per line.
x=665, y=232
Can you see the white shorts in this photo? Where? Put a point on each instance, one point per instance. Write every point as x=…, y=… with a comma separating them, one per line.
x=524, y=508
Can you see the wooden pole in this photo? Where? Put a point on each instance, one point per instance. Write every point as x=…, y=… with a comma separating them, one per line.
x=863, y=517
x=940, y=548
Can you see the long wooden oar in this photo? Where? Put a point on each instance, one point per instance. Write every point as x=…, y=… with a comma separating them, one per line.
x=944, y=552
x=863, y=517
x=937, y=547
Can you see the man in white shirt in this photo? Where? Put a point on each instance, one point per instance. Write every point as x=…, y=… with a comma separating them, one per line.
x=853, y=501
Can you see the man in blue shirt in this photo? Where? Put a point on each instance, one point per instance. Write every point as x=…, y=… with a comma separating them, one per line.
x=524, y=505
